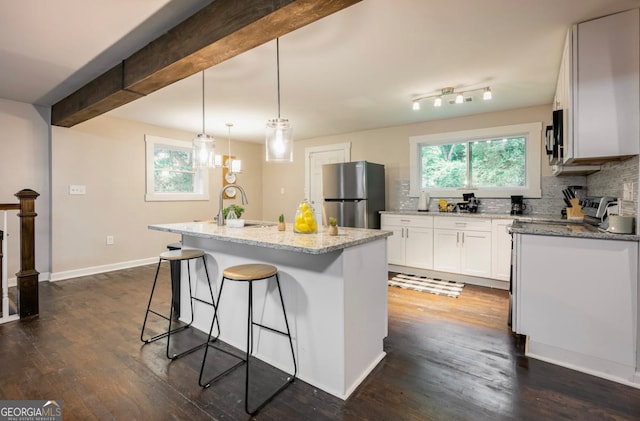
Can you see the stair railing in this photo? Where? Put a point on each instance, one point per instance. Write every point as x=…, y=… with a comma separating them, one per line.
x=27, y=277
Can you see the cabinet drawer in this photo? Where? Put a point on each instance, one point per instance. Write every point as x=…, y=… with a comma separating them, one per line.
x=408, y=220
x=462, y=223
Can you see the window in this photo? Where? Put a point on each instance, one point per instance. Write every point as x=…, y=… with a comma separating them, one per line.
x=494, y=162
x=170, y=175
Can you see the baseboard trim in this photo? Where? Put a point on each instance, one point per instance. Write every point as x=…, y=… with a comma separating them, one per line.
x=76, y=273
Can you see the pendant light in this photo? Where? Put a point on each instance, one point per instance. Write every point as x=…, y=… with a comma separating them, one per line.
x=204, y=147
x=233, y=165
x=279, y=133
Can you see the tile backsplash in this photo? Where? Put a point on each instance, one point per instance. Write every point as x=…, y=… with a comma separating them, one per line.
x=606, y=182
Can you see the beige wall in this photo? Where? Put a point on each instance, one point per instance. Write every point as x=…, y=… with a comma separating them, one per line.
x=107, y=155
x=24, y=163
x=388, y=146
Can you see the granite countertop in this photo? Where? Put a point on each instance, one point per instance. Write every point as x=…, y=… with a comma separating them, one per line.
x=266, y=234
x=477, y=215
x=536, y=224
x=568, y=229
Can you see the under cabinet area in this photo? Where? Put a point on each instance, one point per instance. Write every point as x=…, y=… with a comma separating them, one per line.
x=412, y=241
x=462, y=245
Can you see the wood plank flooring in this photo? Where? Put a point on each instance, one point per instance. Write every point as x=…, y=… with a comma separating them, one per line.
x=447, y=359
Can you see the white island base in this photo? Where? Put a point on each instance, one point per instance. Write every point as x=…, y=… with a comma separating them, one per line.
x=336, y=306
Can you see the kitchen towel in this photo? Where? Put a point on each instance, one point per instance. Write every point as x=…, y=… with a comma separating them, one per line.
x=424, y=284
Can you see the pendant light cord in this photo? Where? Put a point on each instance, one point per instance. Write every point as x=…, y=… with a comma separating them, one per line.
x=278, y=72
x=203, y=132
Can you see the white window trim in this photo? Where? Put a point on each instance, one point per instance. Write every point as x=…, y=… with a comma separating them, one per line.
x=201, y=179
x=533, y=131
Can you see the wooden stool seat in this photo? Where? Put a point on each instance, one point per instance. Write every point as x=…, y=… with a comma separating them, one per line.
x=250, y=272
x=188, y=254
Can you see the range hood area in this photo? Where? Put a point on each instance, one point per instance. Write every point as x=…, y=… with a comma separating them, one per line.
x=560, y=169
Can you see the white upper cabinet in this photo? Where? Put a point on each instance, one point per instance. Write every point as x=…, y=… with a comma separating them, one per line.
x=604, y=63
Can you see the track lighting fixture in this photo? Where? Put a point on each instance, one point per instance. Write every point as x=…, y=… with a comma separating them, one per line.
x=446, y=92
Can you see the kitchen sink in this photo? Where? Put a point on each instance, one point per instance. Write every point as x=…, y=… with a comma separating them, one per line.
x=258, y=224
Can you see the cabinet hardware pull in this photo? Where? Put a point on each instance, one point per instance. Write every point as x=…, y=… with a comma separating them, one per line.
x=407, y=232
x=405, y=220
x=463, y=238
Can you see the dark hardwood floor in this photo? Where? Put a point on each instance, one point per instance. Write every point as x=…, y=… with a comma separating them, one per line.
x=447, y=359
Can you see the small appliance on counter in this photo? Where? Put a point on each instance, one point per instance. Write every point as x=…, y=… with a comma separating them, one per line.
x=620, y=224
x=423, y=202
x=596, y=210
x=472, y=202
x=517, y=205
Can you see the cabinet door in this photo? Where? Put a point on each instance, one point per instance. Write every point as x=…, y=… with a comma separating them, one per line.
x=606, y=111
x=395, y=244
x=500, y=249
x=419, y=248
x=475, y=253
x=446, y=251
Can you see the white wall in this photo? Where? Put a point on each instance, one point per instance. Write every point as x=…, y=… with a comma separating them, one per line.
x=24, y=163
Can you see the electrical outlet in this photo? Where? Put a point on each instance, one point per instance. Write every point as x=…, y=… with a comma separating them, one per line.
x=77, y=189
x=109, y=240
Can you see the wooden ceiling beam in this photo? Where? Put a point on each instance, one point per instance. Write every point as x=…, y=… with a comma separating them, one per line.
x=218, y=32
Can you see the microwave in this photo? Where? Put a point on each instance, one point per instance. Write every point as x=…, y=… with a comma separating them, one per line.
x=554, y=139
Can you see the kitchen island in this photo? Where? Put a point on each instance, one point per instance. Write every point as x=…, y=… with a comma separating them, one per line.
x=334, y=289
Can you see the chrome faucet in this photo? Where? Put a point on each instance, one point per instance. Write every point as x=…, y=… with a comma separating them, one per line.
x=220, y=218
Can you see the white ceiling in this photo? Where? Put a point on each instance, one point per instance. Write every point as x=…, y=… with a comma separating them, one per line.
x=355, y=70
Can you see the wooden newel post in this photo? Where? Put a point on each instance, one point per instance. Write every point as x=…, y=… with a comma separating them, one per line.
x=28, y=275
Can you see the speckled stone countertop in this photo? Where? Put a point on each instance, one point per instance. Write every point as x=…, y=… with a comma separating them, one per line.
x=535, y=225
x=568, y=229
x=476, y=215
x=266, y=234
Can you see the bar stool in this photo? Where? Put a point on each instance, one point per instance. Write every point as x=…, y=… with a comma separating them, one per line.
x=248, y=273
x=177, y=256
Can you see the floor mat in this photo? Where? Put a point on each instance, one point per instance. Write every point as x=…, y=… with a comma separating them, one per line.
x=425, y=284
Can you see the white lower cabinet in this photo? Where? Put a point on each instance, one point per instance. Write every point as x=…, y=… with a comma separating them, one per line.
x=501, y=249
x=462, y=245
x=412, y=241
x=468, y=245
x=576, y=300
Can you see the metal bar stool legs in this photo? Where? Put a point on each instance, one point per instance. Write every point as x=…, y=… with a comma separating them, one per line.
x=177, y=255
x=251, y=273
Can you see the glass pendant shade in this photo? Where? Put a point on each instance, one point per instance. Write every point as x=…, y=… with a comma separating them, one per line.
x=279, y=141
x=204, y=151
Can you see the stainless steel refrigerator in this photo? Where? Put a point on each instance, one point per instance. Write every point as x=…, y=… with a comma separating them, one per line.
x=353, y=192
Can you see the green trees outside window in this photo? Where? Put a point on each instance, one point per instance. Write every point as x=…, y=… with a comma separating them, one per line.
x=173, y=171
x=486, y=163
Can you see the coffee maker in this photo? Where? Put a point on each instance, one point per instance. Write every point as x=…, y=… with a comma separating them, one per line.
x=517, y=205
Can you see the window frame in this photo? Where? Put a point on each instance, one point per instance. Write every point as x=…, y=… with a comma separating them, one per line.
x=531, y=131
x=201, y=179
